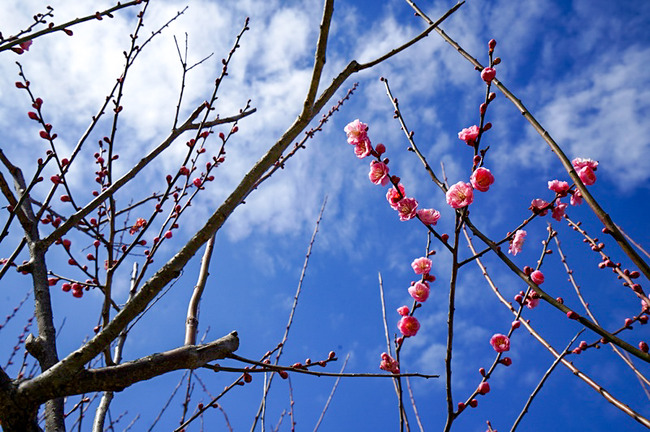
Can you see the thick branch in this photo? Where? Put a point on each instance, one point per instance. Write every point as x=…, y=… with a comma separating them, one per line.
x=119, y=377
x=319, y=57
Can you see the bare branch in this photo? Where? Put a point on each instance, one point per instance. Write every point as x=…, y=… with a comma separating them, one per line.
x=118, y=377
x=192, y=321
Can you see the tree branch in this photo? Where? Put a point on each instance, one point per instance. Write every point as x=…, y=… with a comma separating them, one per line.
x=119, y=377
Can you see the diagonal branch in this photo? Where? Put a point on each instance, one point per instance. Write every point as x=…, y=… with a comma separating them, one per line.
x=590, y=382
x=553, y=302
x=319, y=58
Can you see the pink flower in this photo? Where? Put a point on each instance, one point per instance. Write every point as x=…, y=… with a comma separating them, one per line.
x=421, y=265
x=419, y=292
x=362, y=148
x=488, y=74
x=500, y=343
x=532, y=300
x=389, y=364
x=469, y=134
x=356, y=131
x=537, y=205
x=576, y=198
x=408, y=326
x=559, y=187
x=394, y=197
x=580, y=163
x=537, y=277
x=407, y=208
x=481, y=179
x=428, y=216
x=587, y=175
x=460, y=195
x=517, y=242
x=378, y=173
x=558, y=211
x=403, y=310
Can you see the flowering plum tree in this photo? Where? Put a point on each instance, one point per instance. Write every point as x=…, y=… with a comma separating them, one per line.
x=90, y=219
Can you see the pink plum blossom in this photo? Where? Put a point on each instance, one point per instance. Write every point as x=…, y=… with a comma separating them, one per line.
x=421, y=265
x=363, y=148
x=532, y=300
x=537, y=277
x=407, y=208
x=576, y=198
x=585, y=169
x=469, y=134
x=389, y=364
x=428, y=216
x=587, y=175
x=356, y=132
x=500, y=343
x=580, y=163
x=488, y=74
x=419, y=291
x=559, y=187
x=394, y=197
x=460, y=195
x=481, y=179
x=378, y=173
x=403, y=310
x=517, y=242
x=558, y=211
x=408, y=326
x=537, y=205
x=25, y=45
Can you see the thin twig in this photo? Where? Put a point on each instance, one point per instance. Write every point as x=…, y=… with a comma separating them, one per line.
x=267, y=386
x=624, y=356
x=331, y=396
x=107, y=397
x=415, y=408
x=543, y=380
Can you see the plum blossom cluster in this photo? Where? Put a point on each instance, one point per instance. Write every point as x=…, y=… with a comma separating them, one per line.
x=408, y=325
x=461, y=194
x=585, y=169
x=406, y=207
x=389, y=364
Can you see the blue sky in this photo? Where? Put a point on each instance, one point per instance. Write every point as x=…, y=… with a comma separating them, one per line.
x=579, y=67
